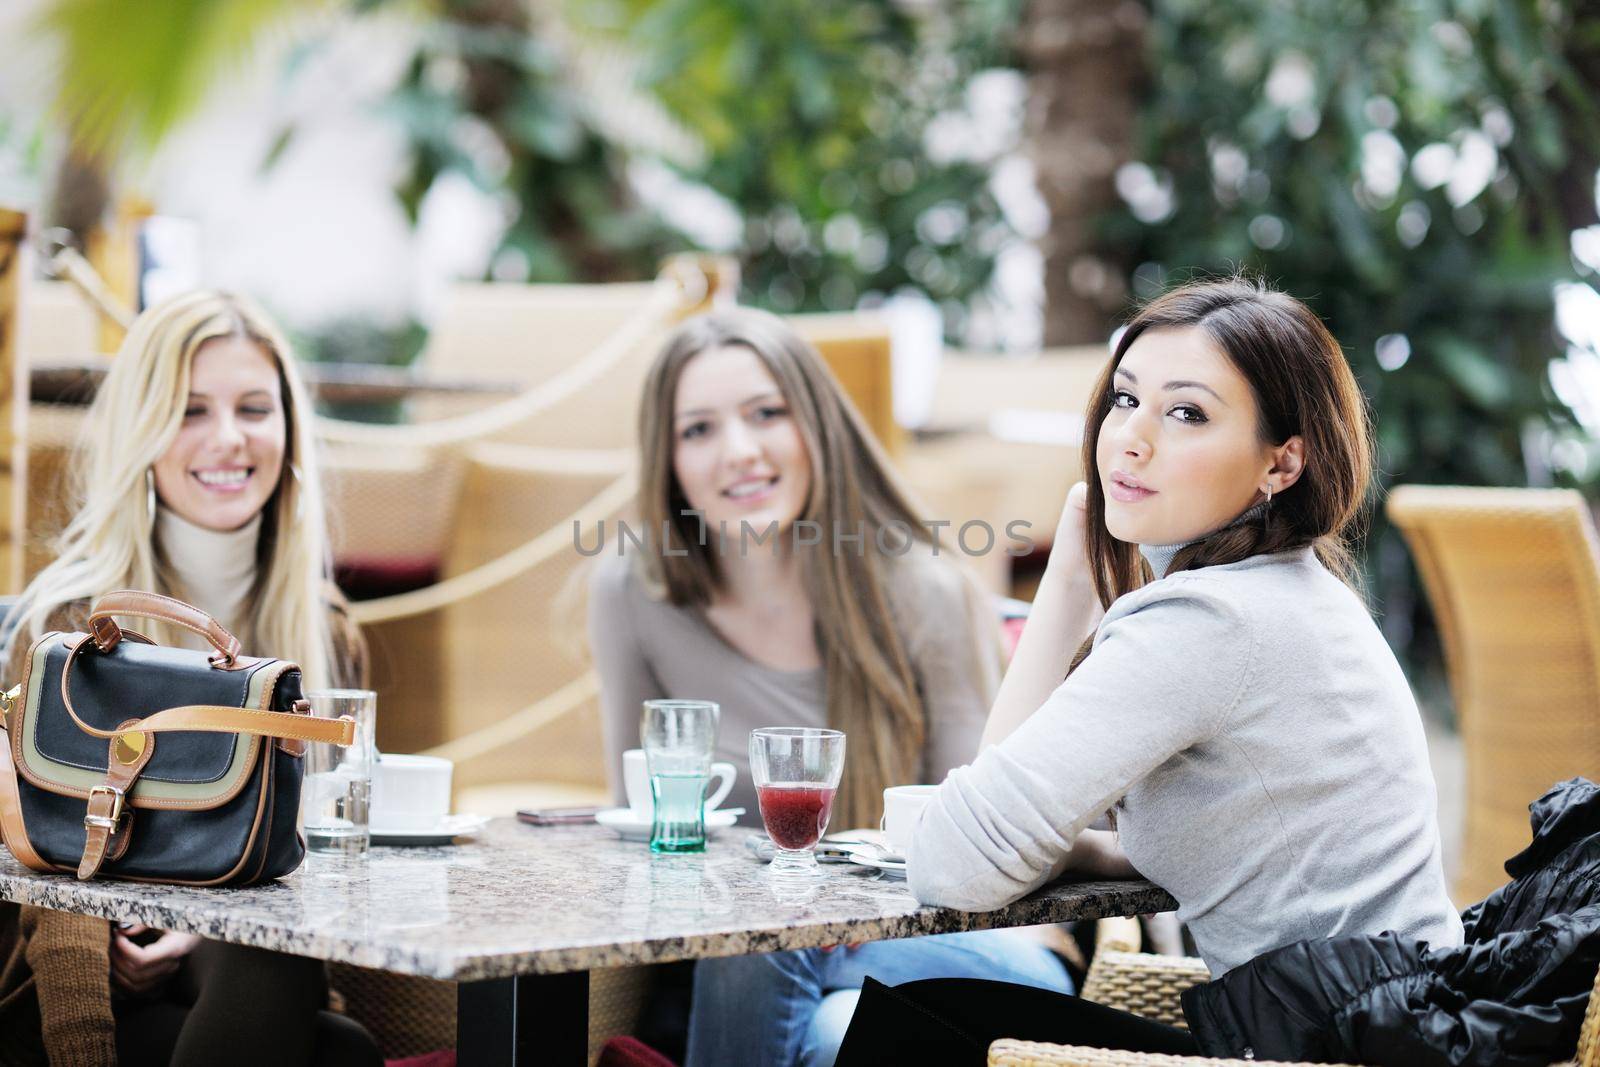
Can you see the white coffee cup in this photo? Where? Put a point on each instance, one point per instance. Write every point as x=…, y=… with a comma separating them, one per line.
x=636, y=783
x=410, y=792
x=902, y=807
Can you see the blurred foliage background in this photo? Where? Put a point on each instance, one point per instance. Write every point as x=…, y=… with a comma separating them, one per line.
x=1415, y=169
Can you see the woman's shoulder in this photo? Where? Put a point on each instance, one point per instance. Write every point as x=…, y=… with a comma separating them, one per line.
x=615, y=580
x=931, y=596
x=1264, y=592
x=619, y=591
x=71, y=617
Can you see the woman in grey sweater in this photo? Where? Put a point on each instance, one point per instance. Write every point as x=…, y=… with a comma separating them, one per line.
x=789, y=578
x=1235, y=707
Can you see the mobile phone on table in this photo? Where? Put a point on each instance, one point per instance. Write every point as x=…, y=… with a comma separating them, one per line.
x=557, y=816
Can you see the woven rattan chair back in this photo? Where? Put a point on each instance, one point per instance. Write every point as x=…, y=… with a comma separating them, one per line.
x=1513, y=578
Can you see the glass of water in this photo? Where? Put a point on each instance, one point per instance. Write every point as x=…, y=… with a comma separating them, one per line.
x=337, y=790
x=679, y=738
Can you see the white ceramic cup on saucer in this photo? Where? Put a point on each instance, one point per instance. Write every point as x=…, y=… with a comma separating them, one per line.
x=636, y=784
x=410, y=792
x=902, y=807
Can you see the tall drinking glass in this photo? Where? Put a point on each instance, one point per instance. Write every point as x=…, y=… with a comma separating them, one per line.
x=679, y=738
x=796, y=771
x=337, y=790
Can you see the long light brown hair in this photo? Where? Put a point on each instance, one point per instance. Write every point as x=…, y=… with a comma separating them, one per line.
x=872, y=690
x=1302, y=386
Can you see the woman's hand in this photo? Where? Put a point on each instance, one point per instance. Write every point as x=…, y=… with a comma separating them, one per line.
x=1069, y=558
x=137, y=968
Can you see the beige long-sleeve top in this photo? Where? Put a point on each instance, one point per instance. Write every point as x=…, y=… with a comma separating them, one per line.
x=645, y=648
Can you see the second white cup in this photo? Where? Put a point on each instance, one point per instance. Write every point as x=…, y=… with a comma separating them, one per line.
x=902, y=807
x=410, y=792
x=636, y=784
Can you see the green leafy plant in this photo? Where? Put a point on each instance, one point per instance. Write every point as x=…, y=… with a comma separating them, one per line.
x=814, y=118
x=131, y=72
x=483, y=96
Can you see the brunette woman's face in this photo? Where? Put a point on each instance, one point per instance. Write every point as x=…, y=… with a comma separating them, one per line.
x=1180, y=452
x=737, y=450
x=222, y=468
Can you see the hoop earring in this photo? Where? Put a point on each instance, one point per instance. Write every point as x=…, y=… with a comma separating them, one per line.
x=150, y=496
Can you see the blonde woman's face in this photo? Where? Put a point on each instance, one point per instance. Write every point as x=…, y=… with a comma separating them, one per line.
x=223, y=466
x=737, y=450
x=1179, y=454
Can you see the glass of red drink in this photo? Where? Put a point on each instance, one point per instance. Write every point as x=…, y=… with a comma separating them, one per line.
x=796, y=771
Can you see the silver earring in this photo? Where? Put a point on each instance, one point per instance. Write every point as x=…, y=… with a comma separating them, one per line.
x=150, y=495
x=1269, y=494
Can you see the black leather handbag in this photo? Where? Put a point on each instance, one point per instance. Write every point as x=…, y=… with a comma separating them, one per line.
x=128, y=759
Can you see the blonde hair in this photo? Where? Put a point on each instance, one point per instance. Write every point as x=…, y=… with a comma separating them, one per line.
x=872, y=691
x=109, y=543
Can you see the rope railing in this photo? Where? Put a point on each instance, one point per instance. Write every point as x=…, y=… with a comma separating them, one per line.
x=659, y=309
x=499, y=570
x=62, y=260
x=514, y=727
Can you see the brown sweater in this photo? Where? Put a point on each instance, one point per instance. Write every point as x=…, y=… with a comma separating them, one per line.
x=55, y=967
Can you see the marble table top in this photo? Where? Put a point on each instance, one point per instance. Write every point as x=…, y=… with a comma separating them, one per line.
x=543, y=900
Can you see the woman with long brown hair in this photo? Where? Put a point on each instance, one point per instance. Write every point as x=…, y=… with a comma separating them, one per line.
x=789, y=579
x=1236, y=707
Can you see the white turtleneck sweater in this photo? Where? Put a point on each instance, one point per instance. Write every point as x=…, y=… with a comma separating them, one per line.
x=1263, y=751
x=215, y=569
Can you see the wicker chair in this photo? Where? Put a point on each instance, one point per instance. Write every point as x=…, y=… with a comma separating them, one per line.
x=410, y=1016
x=1513, y=578
x=1120, y=977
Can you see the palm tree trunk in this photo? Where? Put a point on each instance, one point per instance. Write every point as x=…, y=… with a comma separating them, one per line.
x=1085, y=74
x=81, y=196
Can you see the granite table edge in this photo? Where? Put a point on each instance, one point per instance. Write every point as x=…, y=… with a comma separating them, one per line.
x=1058, y=902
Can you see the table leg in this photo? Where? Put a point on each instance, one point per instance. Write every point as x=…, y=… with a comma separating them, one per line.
x=522, y=1021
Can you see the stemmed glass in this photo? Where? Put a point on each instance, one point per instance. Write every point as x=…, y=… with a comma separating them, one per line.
x=796, y=771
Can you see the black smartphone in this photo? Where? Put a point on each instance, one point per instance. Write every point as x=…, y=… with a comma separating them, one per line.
x=557, y=816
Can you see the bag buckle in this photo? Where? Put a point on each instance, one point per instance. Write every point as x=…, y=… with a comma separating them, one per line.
x=109, y=822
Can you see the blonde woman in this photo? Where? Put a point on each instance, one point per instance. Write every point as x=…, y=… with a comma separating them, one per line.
x=788, y=578
x=195, y=478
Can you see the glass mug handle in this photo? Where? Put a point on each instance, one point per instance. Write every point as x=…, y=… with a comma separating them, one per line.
x=727, y=772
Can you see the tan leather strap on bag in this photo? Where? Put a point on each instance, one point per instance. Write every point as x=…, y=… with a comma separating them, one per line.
x=132, y=602
x=217, y=718
x=12, y=828
x=106, y=829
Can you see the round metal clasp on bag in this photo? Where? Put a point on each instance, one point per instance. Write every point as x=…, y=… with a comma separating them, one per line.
x=128, y=747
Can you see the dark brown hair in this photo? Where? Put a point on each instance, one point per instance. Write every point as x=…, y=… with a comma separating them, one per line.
x=1302, y=386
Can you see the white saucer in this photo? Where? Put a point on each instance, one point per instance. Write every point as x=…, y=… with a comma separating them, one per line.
x=442, y=832
x=631, y=827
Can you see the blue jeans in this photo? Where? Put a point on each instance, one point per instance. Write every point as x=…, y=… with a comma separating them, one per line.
x=791, y=1009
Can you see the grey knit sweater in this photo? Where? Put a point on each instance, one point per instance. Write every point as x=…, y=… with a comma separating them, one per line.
x=1263, y=752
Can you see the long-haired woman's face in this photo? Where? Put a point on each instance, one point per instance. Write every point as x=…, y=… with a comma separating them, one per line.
x=737, y=450
x=1179, y=453
x=223, y=466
